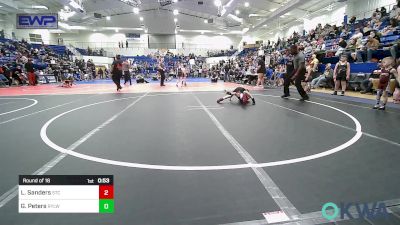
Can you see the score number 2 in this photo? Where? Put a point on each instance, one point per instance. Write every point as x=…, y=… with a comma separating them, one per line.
x=106, y=192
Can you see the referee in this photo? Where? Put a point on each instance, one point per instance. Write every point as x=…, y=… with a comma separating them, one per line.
x=161, y=70
x=297, y=75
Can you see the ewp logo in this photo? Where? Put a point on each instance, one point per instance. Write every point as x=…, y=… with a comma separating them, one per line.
x=29, y=21
x=355, y=210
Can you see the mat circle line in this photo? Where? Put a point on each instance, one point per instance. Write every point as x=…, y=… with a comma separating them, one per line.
x=47, y=141
x=25, y=107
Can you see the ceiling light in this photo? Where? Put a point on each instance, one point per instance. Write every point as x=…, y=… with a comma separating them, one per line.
x=237, y=19
x=175, y=12
x=75, y=5
x=271, y=10
x=221, y=34
x=237, y=12
x=176, y=31
x=64, y=25
x=108, y=18
x=136, y=10
x=66, y=7
x=116, y=30
x=246, y=4
x=146, y=31
x=141, y=18
x=205, y=21
x=264, y=25
x=175, y=20
x=66, y=15
x=202, y=32
x=218, y=3
x=174, y=1
x=39, y=7
x=283, y=16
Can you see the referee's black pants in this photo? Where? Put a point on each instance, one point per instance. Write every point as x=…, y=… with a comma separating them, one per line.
x=162, y=79
x=297, y=82
x=116, y=77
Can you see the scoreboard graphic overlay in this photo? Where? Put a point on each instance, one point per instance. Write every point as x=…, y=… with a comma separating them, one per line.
x=66, y=194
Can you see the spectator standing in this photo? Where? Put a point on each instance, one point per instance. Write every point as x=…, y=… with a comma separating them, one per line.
x=261, y=70
x=31, y=72
x=100, y=72
x=161, y=70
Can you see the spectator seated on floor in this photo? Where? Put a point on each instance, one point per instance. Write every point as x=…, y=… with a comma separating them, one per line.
x=140, y=79
x=67, y=80
x=366, y=84
x=374, y=82
x=214, y=77
x=325, y=79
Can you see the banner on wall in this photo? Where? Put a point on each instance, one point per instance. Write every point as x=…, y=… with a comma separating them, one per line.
x=132, y=35
x=37, y=21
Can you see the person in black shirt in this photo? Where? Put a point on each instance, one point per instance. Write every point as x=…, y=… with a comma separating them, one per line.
x=297, y=75
x=261, y=71
x=226, y=70
x=117, y=72
x=161, y=70
x=31, y=72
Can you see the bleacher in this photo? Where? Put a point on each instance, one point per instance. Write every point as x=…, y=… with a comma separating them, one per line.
x=82, y=51
x=58, y=49
x=247, y=51
x=10, y=57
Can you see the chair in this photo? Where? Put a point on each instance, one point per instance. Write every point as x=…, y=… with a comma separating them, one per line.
x=4, y=81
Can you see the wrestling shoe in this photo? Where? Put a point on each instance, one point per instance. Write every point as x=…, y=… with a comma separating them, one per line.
x=382, y=107
x=220, y=100
x=285, y=96
x=376, y=106
x=305, y=98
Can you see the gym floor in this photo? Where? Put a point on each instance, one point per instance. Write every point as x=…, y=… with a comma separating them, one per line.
x=178, y=157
